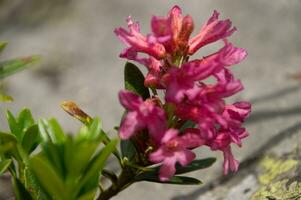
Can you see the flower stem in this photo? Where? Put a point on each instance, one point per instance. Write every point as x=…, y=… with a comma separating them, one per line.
x=125, y=179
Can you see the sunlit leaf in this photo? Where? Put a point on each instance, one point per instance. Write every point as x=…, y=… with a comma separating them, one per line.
x=74, y=110
x=98, y=162
x=51, y=130
x=48, y=178
x=4, y=164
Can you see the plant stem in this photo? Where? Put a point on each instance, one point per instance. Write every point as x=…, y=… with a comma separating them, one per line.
x=125, y=179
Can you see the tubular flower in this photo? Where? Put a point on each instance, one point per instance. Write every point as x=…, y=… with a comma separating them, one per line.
x=175, y=149
x=187, y=94
x=210, y=32
x=140, y=114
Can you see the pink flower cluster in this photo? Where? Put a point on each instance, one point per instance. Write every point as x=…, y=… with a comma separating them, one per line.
x=187, y=97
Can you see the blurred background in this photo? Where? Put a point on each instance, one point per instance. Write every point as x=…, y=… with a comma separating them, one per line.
x=80, y=63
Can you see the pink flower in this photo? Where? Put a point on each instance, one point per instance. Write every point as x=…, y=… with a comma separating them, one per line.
x=155, y=67
x=235, y=115
x=141, y=114
x=181, y=82
x=212, y=31
x=228, y=55
x=226, y=85
x=140, y=43
x=222, y=142
x=175, y=149
x=174, y=30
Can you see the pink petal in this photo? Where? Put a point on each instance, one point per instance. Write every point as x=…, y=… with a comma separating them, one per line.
x=130, y=100
x=167, y=169
x=229, y=162
x=169, y=135
x=157, y=156
x=212, y=31
x=231, y=55
x=129, y=125
x=185, y=157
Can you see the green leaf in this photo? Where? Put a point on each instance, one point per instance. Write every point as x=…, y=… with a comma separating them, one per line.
x=48, y=178
x=187, y=124
x=98, y=162
x=10, y=67
x=178, y=180
x=52, y=139
x=7, y=141
x=195, y=165
x=134, y=80
x=6, y=99
x=35, y=188
x=20, y=191
x=4, y=164
x=19, y=126
x=25, y=119
x=91, y=131
x=51, y=130
x=128, y=149
x=13, y=125
x=2, y=46
x=88, y=196
x=78, y=155
x=31, y=139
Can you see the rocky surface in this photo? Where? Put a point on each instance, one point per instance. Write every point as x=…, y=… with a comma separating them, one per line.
x=81, y=63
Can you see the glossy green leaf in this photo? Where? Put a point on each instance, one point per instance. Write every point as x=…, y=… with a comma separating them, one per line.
x=128, y=149
x=9, y=67
x=91, y=131
x=31, y=139
x=134, y=80
x=98, y=162
x=78, y=155
x=20, y=191
x=4, y=164
x=51, y=130
x=178, y=180
x=48, y=178
x=13, y=125
x=25, y=119
x=19, y=125
x=52, y=139
x=195, y=165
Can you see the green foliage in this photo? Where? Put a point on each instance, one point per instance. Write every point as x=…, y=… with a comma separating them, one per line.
x=12, y=66
x=134, y=80
x=176, y=180
x=64, y=167
x=152, y=174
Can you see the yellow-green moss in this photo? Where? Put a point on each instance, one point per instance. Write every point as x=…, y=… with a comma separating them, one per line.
x=279, y=191
x=274, y=168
